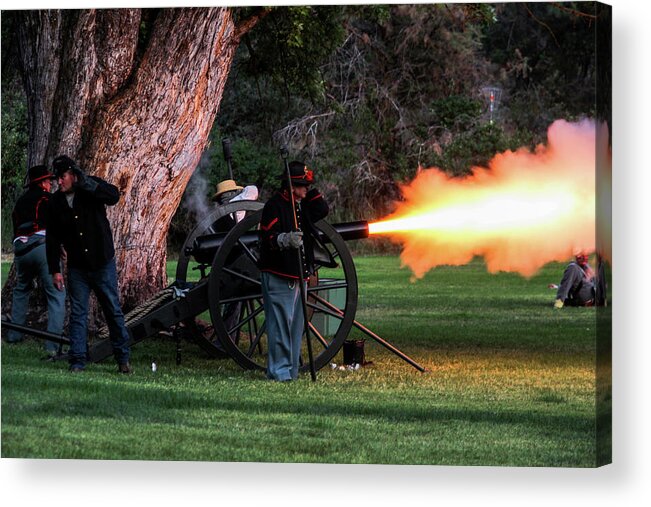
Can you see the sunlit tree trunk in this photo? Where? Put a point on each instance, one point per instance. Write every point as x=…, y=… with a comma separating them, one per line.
x=134, y=103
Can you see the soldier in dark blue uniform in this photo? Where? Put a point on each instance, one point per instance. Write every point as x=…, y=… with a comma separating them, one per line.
x=30, y=219
x=280, y=271
x=77, y=220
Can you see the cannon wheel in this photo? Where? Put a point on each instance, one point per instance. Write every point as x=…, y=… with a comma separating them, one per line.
x=243, y=333
x=203, y=332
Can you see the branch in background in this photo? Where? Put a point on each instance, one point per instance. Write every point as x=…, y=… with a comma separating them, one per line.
x=246, y=24
x=574, y=12
x=302, y=132
x=543, y=24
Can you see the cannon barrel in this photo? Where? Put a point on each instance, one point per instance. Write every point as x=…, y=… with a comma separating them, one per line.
x=205, y=247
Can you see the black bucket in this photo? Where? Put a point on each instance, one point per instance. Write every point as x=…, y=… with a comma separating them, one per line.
x=354, y=352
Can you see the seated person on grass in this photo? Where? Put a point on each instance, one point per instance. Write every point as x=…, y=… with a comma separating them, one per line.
x=577, y=287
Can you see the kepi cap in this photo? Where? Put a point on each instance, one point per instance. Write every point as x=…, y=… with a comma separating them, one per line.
x=61, y=164
x=300, y=174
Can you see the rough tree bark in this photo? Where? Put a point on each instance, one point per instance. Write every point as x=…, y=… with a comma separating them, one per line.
x=133, y=108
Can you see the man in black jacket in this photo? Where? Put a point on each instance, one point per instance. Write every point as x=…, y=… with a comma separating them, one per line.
x=280, y=272
x=29, y=219
x=77, y=220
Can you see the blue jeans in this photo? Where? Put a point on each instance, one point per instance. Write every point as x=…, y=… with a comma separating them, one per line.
x=283, y=311
x=29, y=266
x=104, y=282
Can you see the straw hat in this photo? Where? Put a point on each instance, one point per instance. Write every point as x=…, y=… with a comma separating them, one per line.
x=225, y=186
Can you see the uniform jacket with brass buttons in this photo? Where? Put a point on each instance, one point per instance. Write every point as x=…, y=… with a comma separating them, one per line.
x=277, y=217
x=82, y=229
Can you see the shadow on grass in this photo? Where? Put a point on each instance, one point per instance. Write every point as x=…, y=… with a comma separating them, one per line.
x=148, y=403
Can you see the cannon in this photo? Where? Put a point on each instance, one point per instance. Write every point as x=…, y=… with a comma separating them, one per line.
x=222, y=310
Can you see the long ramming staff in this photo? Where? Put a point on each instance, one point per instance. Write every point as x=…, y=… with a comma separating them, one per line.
x=301, y=267
x=36, y=333
x=226, y=146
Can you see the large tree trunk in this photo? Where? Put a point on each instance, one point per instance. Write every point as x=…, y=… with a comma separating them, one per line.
x=134, y=106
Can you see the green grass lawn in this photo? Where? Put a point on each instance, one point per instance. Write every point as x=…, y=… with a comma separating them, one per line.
x=510, y=381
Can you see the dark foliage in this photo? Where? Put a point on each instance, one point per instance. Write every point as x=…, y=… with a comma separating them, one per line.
x=546, y=57
x=14, y=128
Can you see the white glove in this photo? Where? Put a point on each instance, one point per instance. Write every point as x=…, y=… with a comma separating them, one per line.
x=290, y=240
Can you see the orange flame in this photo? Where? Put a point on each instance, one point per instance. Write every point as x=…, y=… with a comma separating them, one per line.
x=525, y=210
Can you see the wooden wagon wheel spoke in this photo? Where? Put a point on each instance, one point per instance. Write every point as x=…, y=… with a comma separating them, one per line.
x=329, y=286
x=334, y=254
x=242, y=276
x=251, y=309
x=326, y=310
x=256, y=342
x=241, y=299
x=252, y=325
x=319, y=336
x=248, y=251
x=245, y=321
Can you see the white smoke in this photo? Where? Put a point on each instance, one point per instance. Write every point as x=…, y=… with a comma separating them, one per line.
x=196, y=198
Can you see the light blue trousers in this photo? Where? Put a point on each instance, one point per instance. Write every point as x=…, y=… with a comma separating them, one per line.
x=29, y=266
x=283, y=312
